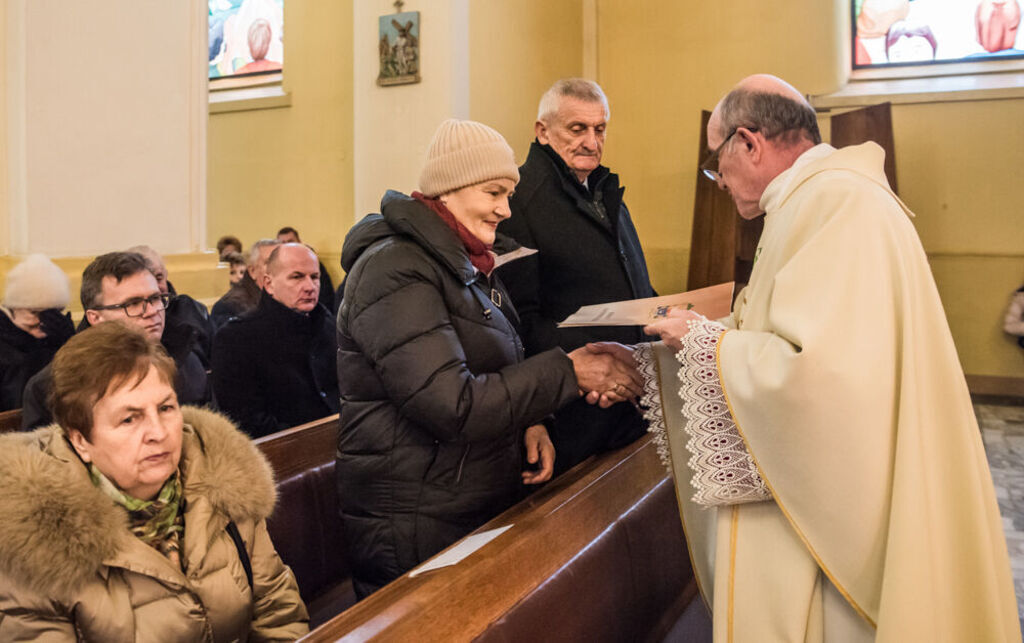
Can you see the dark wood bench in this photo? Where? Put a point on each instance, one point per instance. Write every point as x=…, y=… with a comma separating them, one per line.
x=596, y=555
x=10, y=421
x=305, y=527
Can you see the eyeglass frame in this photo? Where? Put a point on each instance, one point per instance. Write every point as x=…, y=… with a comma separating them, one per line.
x=146, y=302
x=705, y=168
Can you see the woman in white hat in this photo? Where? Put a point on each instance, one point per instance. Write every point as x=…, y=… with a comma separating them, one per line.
x=32, y=326
x=441, y=414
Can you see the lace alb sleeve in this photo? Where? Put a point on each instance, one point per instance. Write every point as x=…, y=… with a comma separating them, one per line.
x=723, y=473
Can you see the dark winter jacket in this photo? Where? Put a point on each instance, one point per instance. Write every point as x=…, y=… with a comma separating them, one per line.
x=274, y=368
x=186, y=311
x=22, y=355
x=180, y=340
x=588, y=253
x=435, y=392
x=239, y=299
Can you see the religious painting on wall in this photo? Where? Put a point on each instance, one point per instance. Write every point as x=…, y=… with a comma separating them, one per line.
x=399, y=48
x=888, y=33
x=246, y=38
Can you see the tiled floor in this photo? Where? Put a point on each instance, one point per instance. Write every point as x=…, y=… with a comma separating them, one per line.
x=1002, y=429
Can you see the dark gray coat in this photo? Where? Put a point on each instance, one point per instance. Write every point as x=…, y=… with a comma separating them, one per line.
x=435, y=392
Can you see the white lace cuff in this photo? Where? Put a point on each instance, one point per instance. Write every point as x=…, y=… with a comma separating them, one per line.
x=723, y=471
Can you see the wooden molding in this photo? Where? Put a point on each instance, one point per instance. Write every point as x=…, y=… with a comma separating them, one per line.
x=996, y=385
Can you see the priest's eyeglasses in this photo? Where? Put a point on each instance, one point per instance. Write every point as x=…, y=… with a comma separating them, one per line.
x=137, y=306
x=709, y=167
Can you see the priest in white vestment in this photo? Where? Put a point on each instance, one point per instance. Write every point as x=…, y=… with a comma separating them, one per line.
x=829, y=468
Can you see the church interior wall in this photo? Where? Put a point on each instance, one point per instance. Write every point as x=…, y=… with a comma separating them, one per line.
x=323, y=162
x=293, y=165
x=958, y=164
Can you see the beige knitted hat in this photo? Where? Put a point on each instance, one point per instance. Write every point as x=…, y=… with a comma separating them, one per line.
x=36, y=283
x=464, y=153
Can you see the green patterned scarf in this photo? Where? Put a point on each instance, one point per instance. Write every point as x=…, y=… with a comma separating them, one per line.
x=159, y=522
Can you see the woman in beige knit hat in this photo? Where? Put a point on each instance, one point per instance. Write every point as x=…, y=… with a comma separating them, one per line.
x=32, y=326
x=442, y=417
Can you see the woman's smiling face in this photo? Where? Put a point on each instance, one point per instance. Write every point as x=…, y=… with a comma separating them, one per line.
x=481, y=207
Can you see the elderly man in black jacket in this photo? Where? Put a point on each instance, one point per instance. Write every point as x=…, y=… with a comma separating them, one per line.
x=569, y=208
x=274, y=367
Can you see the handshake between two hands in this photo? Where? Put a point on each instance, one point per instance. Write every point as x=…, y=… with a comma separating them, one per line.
x=607, y=371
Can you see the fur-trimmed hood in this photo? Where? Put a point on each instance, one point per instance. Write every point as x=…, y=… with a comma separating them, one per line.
x=57, y=529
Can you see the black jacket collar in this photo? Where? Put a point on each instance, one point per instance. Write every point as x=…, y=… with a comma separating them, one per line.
x=278, y=313
x=569, y=178
x=406, y=216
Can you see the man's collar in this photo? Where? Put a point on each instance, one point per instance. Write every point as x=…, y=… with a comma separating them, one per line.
x=274, y=306
x=778, y=187
x=593, y=179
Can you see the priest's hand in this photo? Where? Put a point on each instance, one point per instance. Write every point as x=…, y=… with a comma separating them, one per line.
x=612, y=378
x=673, y=327
x=538, y=449
x=624, y=354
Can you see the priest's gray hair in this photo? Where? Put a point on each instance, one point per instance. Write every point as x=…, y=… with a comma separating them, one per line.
x=579, y=88
x=774, y=115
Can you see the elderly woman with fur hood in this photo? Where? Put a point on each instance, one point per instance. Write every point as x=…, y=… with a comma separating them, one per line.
x=32, y=326
x=134, y=519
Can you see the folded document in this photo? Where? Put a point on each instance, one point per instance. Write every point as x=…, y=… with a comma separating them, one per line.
x=713, y=302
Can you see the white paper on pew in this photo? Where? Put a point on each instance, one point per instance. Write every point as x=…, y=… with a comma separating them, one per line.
x=713, y=302
x=457, y=553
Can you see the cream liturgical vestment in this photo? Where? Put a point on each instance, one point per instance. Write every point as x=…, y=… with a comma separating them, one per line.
x=829, y=468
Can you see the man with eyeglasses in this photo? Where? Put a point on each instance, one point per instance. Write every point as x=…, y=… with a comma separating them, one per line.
x=118, y=286
x=829, y=467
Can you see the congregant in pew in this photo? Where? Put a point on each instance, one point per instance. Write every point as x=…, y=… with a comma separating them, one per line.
x=245, y=295
x=228, y=244
x=33, y=325
x=289, y=234
x=274, y=367
x=825, y=426
x=182, y=311
x=118, y=286
x=237, y=267
x=442, y=416
x=134, y=518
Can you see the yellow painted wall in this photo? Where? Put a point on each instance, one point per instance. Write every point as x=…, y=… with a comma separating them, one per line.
x=4, y=225
x=292, y=165
x=958, y=164
x=517, y=50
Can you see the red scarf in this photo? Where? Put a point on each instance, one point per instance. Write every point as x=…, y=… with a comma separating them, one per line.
x=479, y=252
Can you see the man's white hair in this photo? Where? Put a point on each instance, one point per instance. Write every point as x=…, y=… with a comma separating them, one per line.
x=578, y=88
x=254, y=251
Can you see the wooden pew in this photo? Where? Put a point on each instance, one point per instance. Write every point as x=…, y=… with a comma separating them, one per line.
x=596, y=555
x=10, y=421
x=305, y=527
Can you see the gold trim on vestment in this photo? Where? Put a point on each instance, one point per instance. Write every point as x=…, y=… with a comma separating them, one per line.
x=775, y=496
x=733, y=530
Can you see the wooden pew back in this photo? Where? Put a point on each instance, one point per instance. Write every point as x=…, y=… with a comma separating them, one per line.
x=597, y=554
x=305, y=527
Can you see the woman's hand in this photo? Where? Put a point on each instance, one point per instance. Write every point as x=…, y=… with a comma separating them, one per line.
x=606, y=369
x=673, y=327
x=539, y=447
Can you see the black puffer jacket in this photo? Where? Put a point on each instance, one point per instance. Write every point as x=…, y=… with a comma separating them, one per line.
x=435, y=392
